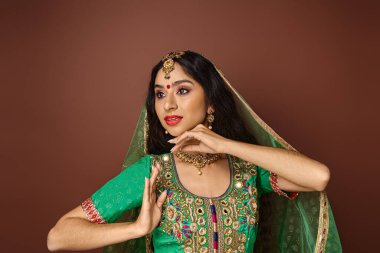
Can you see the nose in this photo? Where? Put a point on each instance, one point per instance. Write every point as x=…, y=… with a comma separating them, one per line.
x=170, y=103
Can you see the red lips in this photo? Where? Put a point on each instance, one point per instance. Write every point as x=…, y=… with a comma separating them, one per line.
x=172, y=120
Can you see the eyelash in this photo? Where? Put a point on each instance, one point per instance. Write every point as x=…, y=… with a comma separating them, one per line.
x=179, y=91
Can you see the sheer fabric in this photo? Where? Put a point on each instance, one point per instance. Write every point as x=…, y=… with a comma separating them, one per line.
x=305, y=224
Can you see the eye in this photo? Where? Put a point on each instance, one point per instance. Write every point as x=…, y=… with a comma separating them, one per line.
x=159, y=94
x=183, y=91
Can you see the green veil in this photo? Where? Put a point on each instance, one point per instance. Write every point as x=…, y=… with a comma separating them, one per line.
x=305, y=224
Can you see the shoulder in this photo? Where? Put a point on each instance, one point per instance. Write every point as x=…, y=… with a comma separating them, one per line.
x=134, y=162
x=165, y=178
x=160, y=158
x=148, y=158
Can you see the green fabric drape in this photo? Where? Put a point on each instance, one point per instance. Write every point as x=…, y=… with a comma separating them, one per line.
x=305, y=224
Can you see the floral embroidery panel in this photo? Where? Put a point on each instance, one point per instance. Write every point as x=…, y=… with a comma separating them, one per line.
x=222, y=224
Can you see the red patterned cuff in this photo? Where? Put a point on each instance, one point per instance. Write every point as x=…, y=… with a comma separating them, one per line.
x=273, y=182
x=91, y=212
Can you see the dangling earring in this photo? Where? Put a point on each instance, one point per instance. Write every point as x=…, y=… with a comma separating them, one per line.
x=210, y=119
x=166, y=131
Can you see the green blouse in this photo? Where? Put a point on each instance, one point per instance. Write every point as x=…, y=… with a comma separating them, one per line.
x=190, y=223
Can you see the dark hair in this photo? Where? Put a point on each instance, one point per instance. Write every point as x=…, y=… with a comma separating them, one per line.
x=227, y=123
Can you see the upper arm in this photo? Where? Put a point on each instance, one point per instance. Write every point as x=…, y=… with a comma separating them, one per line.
x=269, y=182
x=286, y=185
x=77, y=212
x=119, y=194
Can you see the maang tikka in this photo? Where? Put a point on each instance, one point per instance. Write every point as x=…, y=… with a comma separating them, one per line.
x=169, y=62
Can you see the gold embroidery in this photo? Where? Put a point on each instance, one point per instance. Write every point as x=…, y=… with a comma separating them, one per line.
x=168, y=175
x=203, y=250
x=188, y=218
x=323, y=228
x=228, y=231
x=201, y=221
x=148, y=243
x=202, y=231
x=199, y=201
x=202, y=240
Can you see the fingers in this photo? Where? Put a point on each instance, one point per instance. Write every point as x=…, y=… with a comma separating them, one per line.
x=146, y=194
x=187, y=138
x=161, y=199
x=150, y=187
x=192, y=148
x=183, y=136
x=184, y=143
x=156, y=167
x=153, y=177
x=155, y=171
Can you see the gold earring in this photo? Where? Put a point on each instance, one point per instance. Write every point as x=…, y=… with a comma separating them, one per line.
x=210, y=119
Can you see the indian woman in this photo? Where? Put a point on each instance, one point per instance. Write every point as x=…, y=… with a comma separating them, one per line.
x=203, y=174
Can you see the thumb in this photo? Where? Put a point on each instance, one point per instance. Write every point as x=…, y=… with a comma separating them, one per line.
x=161, y=199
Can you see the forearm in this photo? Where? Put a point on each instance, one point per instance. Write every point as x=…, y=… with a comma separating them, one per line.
x=80, y=234
x=290, y=165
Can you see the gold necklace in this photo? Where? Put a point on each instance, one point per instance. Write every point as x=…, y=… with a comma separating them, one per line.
x=199, y=160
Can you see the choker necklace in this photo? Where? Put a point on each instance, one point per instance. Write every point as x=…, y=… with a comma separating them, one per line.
x=199, y=160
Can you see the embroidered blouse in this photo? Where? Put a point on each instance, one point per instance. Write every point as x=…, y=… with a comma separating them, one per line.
x=190, y=223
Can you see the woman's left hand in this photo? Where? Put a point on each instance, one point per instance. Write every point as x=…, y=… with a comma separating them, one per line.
x=200, y=139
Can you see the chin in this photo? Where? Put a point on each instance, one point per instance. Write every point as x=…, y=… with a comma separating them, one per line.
x=175, y=133
x=177, y=130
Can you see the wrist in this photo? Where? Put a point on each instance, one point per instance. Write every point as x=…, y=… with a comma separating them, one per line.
x=228, y=146
x=136, y=230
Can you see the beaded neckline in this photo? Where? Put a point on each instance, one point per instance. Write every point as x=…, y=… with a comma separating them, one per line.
x=178, y=181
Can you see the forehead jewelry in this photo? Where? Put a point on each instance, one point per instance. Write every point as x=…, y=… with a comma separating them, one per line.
x=168, y=86
x=169, y=62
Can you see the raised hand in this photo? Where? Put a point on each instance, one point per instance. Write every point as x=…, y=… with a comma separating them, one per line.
x=151, y=209
x=200, y=139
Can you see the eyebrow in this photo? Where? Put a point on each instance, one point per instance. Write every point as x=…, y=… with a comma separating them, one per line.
x=175, y=83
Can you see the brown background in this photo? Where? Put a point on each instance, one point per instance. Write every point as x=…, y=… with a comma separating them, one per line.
x=74, y=76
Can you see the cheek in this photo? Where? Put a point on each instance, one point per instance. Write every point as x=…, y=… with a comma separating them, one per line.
x=160, y=112
x=157, y=108
x=196, y=108
x=199, y=103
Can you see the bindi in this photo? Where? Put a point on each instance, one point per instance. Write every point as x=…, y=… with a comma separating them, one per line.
x=168, y=86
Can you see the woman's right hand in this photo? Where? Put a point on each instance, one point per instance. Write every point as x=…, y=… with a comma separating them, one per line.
x=151, y=209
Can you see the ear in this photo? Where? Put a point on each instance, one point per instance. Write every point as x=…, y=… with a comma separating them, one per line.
x=210, y=109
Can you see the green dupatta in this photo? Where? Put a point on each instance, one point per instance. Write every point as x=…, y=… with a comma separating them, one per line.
x=305, y=224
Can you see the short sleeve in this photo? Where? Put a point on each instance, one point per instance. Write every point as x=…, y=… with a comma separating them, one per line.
x=119, y=194
x=267, y=182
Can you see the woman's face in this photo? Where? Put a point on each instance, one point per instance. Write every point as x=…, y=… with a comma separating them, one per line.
x=180, y=101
